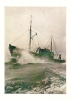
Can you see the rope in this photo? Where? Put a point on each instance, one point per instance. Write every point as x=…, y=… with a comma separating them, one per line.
x=34, y=43
x=40, y=31
x=25, y=42
x=18, y=37
x=48, y=45
x=47, y=42
x=33, y=31
x=38, y=39
x=40, y=42
x=55, y=47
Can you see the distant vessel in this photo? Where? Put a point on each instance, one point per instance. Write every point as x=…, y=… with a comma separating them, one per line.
x=39, y=52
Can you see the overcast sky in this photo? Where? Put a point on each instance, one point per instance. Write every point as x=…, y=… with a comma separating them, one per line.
x=48, y=20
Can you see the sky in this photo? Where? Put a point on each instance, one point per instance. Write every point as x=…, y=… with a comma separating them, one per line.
x=46, y=21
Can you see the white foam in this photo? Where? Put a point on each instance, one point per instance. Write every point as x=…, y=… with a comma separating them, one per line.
x=7, y=55
x=26, y=57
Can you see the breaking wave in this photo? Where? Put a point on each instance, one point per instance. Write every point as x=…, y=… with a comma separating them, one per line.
x=26, y=57
x=7, y=55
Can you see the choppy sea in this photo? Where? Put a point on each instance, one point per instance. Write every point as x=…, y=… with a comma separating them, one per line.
x=34, y=76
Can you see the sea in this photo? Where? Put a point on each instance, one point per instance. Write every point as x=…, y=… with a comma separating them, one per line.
x=31, y=75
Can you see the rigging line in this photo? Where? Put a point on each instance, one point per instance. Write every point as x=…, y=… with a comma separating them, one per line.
x=41, y=42
x=48, y=45
x=38, y=42
x=31, y=46
x=18, y=37
x=25, y=41
x=25, y=44
x=48, y=42
x=34, y=32
x=55, y=47
x=28, y=44
x=34, y=43
x=39, y=30
x=28, y=48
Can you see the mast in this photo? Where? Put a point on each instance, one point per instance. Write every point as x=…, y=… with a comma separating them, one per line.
x=30, y=33
x=51, y=44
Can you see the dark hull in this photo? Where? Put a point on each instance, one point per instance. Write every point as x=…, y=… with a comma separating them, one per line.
x=47, y=57
x=59, y=61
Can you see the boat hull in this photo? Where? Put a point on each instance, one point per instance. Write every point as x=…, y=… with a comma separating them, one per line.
x=48, y=57
x=59, y=61
x=16, y=52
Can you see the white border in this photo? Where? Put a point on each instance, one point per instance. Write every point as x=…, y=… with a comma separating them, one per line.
x=35, y=3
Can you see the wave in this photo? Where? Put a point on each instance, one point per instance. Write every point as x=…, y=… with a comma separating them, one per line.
x=26, y=58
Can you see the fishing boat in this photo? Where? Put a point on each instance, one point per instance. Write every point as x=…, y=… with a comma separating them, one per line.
x=40, y=52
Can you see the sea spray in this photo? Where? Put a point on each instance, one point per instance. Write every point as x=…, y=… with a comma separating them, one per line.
x=26, y=57
x=7, y=55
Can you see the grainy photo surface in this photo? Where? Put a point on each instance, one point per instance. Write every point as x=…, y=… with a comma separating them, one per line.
x=35, y=50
